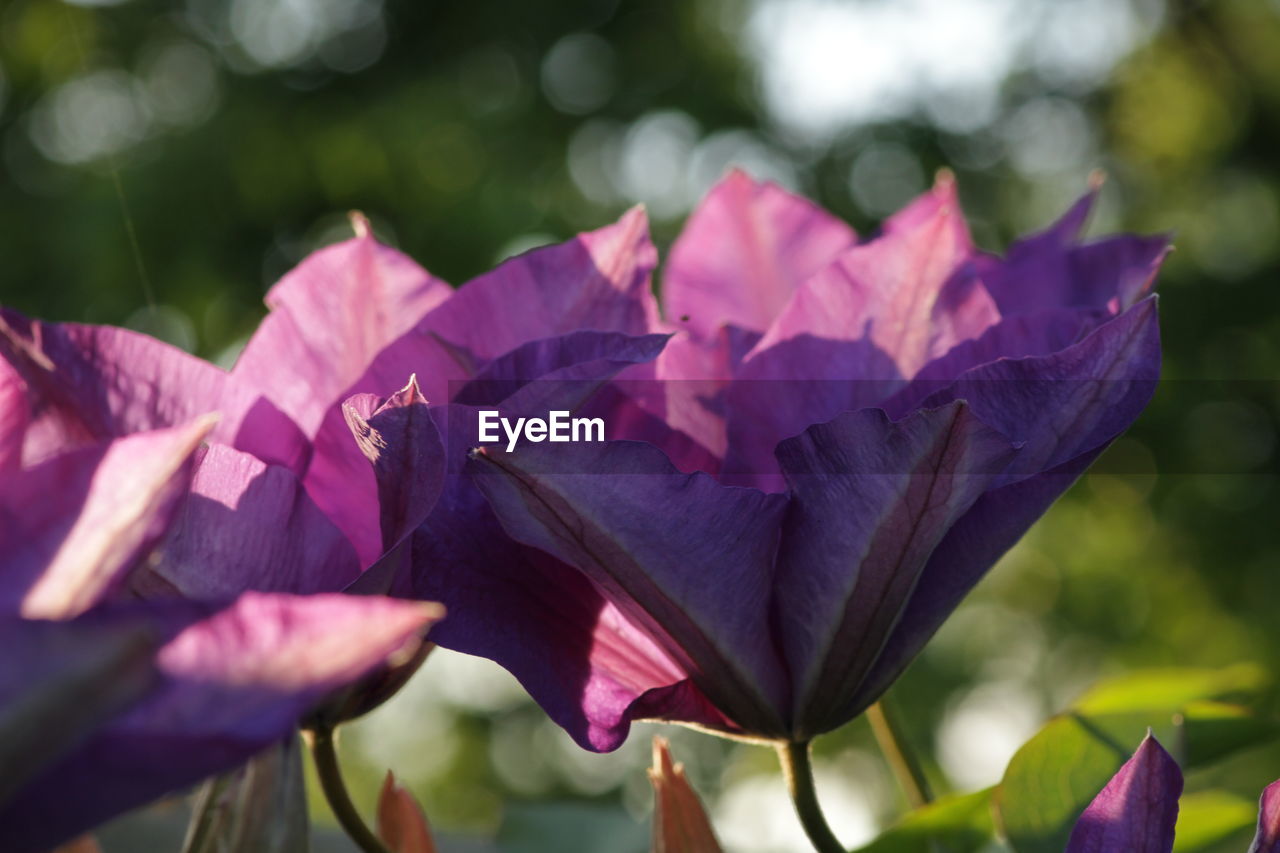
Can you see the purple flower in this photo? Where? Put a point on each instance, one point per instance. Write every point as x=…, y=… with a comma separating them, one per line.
x=107, y=704
x=1137, y=811
x=899, y=409
x=814, y=456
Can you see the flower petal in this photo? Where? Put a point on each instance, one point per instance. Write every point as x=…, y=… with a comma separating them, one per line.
x=972, y=546
x=598, y=280
x=330, y=316
x=574, y=365
x=1018, y=336
x=743, y=252
x=61, y=681
x=399, y=438
x=680, y=823
x=910, y=292
x=233, y=680
x=1068, y=403
x=1053, y=270
x=576, y=654
x=73, y=526
x=15, y=414
x=870, y=499
x=1267, y=839
x=247, y=525
x=686, y=559
x=1138, y=808
x=402, y=825
x=92, y=383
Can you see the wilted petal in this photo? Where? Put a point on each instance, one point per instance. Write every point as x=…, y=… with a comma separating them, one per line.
x=62, y=681
x=743, y=252
x=1267, y=839
x=680, y=823
x=247, y=525
x=1138, y=808
x=73, y=526
x=870, y=500
x=598, y=280
x=402, y=825
x=233, y=681
x=686, y=559
x=330, y=316
x=93, y=383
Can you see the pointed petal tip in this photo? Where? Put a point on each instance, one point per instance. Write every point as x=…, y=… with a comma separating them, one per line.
x=359, y=224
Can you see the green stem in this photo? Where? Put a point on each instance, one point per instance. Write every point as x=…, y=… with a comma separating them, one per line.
x=901, y=759
x=798, y=772
x=321, y=740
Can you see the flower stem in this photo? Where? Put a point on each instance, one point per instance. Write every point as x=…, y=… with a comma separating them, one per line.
x=322, y=742
x=906, y=767
x=798, y=772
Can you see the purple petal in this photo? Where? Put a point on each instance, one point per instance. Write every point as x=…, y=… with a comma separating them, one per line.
x=973, y=545
x=233, y=681
x=743, y=252
x=854, y=331
x=72, y=526
x=650, y=537
x=870, y=500
x=1052, y=270
x=676, y=403
x=1267, y=839
x=247, y=525
x=1138, y=808
x=1068, y=403
x=399, y=438
x=60, y=682
x=1018, y=336
x=781, y=391
x=598, y=281
x=572, y=364
x=92, y=383
x=330, y=316
x=15, y=414
x=590, y=668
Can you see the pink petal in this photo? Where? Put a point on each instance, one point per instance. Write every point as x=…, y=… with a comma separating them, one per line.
x=743, y=252
x=72, y=526
x=330, y=316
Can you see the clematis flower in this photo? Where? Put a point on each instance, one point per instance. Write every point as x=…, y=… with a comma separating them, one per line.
x=1137, y=811
x=818, y=450
x=106, y=705
x=839, y=439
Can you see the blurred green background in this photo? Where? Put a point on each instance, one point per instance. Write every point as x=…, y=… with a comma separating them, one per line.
x=241, y=132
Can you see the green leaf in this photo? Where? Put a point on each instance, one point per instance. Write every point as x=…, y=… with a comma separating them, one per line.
x=1169, y=689
x=1208, y=818
x=1057, y=773
x=959, y=823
